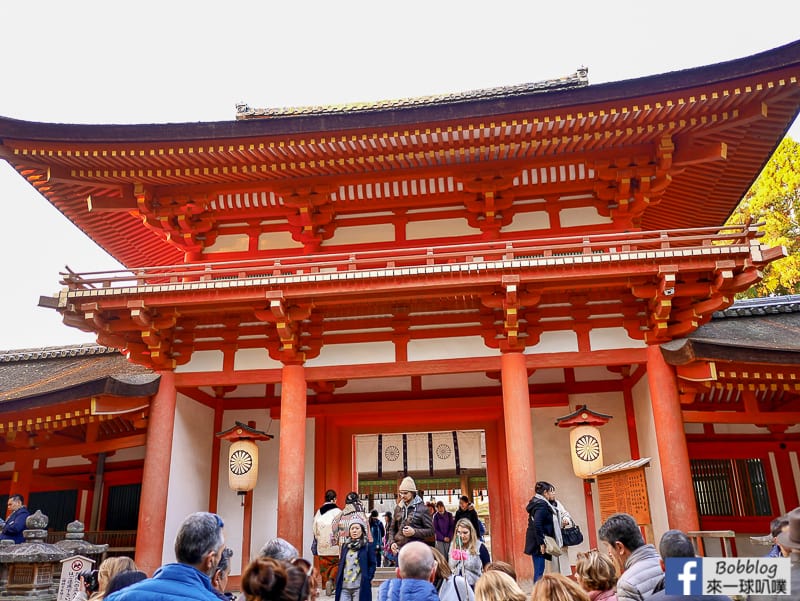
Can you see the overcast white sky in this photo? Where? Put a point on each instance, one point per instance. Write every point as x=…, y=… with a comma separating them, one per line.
x=174, y=61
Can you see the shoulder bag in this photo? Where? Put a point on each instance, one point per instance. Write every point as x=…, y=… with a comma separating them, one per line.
x=551, y=546
x=572, y=536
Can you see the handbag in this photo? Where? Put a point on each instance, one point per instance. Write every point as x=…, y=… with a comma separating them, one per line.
x=551, y=546
x=572, y=536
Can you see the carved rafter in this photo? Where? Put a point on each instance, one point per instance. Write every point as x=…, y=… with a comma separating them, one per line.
x=184, y=221
x=143, y=333
x=298, y=327
x=626, y=186
x=312, y=215
x=503, y=325
x=489, y=209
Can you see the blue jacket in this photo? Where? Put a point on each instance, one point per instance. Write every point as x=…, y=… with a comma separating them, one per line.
x=174, y=581
x=367, y=562
x=15, y=524
x=406, y=589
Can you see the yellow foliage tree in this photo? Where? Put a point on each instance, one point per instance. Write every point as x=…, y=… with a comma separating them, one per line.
x=774, y=198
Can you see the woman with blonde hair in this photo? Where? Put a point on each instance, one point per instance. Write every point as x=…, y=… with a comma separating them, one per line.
x=557, y=587
x=448, y=586
x=495, y=585
x=596, y=575
x=467, y=554
x=109, y=568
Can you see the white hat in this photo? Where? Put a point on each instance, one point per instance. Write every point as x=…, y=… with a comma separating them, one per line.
x=407, y=485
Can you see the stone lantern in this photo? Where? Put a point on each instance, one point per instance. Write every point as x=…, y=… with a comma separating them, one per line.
x=31, y=564
x=75, y=545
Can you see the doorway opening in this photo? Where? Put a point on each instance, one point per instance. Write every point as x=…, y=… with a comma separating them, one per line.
x=445, y=465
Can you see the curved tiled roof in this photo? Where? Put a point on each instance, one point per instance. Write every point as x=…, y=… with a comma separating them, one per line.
x=770, y=305
x=55, y=374
x=758, y=330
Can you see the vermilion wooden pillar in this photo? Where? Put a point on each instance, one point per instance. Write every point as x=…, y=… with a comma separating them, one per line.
x=292, y=455
x=671, y=439
x=155, y=476
x=21, y=478
x=519, y=437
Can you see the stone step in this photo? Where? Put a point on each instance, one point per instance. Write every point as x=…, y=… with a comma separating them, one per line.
x=382, y=574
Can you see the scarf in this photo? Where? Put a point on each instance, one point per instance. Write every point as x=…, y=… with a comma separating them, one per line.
x=356, y=544
x=556, y=520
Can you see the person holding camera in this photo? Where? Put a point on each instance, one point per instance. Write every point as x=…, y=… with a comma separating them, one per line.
x=94, y=583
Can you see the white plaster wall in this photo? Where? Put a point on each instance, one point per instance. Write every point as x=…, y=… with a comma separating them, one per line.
x=277, y=241
x=547, y=376
x=228, y=243
x=448, y=381
x=595, y=373
x=355, y=386
x=130, y=454
x=361, y=234
x=439, y=228
x=189, y=479
x=739, y=429
x=66, y=461
x=449, y=348
x=265, y=494
x=612, y=338
x=202, y=361
x=243, y=391
x=354, y=354
x=254, y=358
x=555, y=342
x=581, y=216
x=523, y=222
x=648, y=447
x=693, y=428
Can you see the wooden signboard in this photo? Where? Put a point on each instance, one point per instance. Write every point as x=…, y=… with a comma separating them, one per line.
x=624, y=492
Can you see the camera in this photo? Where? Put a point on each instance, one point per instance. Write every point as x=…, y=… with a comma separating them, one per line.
x=90, y=580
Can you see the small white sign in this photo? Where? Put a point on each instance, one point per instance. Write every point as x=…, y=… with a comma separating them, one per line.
x=70, y=584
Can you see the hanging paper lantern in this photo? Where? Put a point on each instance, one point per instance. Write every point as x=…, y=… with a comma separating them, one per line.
x=243, y=465
x=587, y=450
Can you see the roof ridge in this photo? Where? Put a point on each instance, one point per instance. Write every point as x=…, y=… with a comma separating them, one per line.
x=55, y=352
x=576, y=80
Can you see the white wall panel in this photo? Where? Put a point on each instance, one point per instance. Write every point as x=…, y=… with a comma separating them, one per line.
x=189, y=477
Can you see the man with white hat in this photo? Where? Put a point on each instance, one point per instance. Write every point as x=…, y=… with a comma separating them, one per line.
x=412, y=521
x=789, y=542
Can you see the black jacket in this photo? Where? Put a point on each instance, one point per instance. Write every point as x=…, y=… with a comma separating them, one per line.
x=469, y=514
x=540, y=523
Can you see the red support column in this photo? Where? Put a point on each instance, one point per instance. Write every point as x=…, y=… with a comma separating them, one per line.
x=519, y=437
x=672, y=449
x=22, y=475
x=155, y=476
x=292, y=455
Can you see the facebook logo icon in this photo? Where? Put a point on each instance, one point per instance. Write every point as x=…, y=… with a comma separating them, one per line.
x=684, y=576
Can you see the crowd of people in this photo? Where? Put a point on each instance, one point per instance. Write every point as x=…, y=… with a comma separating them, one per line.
x=436, y=558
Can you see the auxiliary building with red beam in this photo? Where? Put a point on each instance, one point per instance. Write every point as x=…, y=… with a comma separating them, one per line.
x=477, y=262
